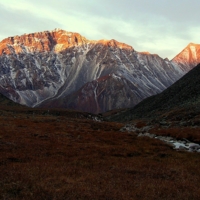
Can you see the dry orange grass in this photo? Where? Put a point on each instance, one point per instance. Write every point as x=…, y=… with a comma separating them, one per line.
x=58, y=157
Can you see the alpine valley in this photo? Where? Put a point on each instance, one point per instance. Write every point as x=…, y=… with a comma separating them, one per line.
x=150, y=151
x=60, y=69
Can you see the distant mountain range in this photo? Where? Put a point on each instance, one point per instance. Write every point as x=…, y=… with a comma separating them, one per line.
x=60, y=69
x=179, y=102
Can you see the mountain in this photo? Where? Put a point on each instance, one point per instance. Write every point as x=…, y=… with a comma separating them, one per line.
x=7, y=103
x=105, y=93
x=181, y=101
x=65, y=70
x=188, y=58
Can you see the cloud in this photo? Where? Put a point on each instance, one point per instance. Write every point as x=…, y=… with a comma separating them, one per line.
x=157, y=26
x=21, y=21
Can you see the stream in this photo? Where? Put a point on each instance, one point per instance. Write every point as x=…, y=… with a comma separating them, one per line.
x=182, y=144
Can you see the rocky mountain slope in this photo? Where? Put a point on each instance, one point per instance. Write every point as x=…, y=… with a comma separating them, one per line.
x=65, y=70
x=188, y=58
x=7, y=103
x=181, y=102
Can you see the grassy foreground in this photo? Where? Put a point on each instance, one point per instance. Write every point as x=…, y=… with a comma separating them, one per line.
x=58, y=157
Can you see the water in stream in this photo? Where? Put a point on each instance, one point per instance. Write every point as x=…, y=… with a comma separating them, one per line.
x=183, y=144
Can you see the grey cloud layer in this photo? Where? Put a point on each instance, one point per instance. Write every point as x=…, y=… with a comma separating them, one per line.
x=21, y=22
x=150, y=22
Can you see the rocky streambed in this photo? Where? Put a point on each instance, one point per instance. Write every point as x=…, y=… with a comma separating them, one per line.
x=182, y=144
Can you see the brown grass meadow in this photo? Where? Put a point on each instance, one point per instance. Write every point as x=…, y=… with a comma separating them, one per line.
x=60, y=157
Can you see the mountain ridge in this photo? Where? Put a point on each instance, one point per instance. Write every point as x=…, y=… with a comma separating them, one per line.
x=181, y=101
x=50, y=67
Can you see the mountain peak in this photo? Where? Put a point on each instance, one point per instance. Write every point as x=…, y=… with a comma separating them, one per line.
x=193, y=44
x=115, y=43
x=188, y=58
x=57, y=40
x=58, y=29
x=145, y=52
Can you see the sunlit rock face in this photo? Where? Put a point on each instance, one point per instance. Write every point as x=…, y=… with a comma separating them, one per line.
x=188, y=58
x=63, y=69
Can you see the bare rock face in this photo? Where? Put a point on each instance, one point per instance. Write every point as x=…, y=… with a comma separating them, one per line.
x=106, y=93
x=32, y=66
x=46, y=41
x=188, y=58
x=63, y=69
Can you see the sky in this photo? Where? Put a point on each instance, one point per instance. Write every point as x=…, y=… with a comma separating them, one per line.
x=163, y=27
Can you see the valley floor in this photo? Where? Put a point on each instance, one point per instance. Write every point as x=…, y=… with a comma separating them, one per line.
x=58, y=157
